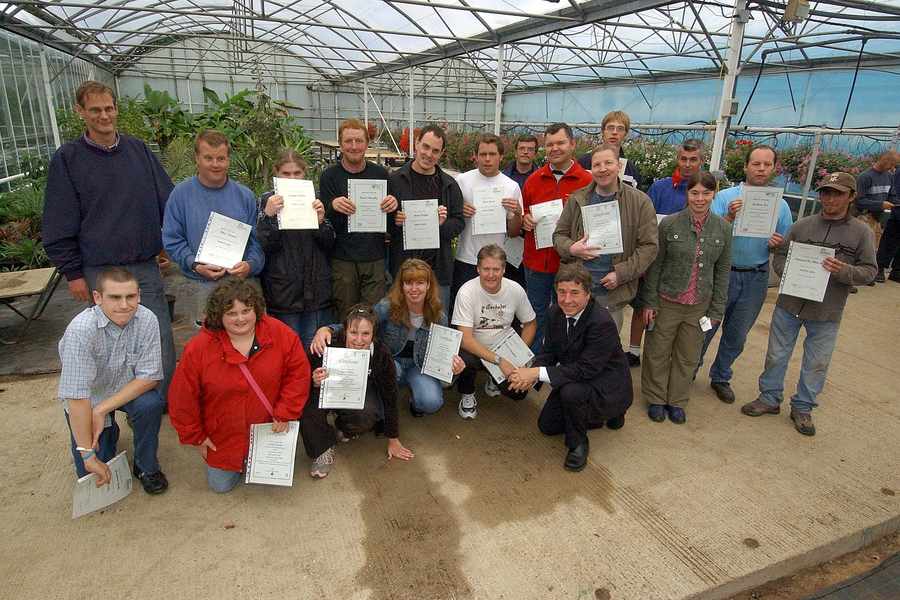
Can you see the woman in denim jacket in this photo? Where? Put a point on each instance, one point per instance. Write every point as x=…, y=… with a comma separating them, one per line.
x=685, y=294
x=405, y=317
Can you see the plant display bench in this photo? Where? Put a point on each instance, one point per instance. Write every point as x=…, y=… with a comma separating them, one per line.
x=16, y=285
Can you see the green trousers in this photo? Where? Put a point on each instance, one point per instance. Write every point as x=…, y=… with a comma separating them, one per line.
x=671, y=353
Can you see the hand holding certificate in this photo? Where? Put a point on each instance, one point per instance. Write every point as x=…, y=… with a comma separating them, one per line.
x=759, y=212
x=298, y=211
x=344, y=386
x=367, y=195
x=803, y=275
x=270, y=460
x=87, y=497
x=511, y=347
x=224, y=241
x=443, y=345
x=421, y=230
x=490, y=216
x=545, y=216
x=603, y=227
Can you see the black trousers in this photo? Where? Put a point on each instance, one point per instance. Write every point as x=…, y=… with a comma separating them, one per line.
x=573, y=409
x=319, y=436
x=465, y=384
x=462, y=272
x=889, y=248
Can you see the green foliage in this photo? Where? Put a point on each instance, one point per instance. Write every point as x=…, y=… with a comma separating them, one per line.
x=653, y=159
x=21, y=210
x=178, y=158
x=26, y=253
x=167, y=121
x=734, y=159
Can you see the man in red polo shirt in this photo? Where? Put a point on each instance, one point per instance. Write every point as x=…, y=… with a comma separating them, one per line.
x=559, y=177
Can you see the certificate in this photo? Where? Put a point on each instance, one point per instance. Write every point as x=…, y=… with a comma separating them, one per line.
x=759, y=213
x=490, y=216
x=623, y=162
x=421, y=230
x=603, y=227
x=348, y=374
x=224, y=241
x=804, y=276
x=515, y=248
x=87, y=497
x=511, y=347
x=443, y=345
x=545, y=216
x=367, y=195
x=298, y=211
x=270, y=460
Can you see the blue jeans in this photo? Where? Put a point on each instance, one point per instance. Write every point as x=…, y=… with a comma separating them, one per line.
x=146, y=415
x=305, y=323
x=817, y=349
x=153, y=296
x=220, y=480
x=540, y=293
x=746, y=295
x=427, y=393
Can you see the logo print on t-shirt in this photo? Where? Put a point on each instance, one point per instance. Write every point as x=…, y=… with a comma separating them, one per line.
x=492, y=316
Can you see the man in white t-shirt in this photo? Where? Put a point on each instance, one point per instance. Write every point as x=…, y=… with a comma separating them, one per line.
x=483, y=182
x=485, y=308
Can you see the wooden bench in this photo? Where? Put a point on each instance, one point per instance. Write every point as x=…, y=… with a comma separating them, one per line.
x=16, y=285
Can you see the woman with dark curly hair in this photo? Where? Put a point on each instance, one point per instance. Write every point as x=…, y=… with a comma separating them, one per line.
x=405, y=317
x=213, y=399
x=319, y=438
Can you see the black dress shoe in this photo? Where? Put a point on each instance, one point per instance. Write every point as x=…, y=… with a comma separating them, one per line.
x=723, y=391
x=153, y=483
x=577, y=457
x=657, y=413
x=617, y=422
x=633, y=359
x=676, y=414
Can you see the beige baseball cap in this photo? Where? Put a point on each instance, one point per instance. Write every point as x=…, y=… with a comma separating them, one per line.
x=842, y=182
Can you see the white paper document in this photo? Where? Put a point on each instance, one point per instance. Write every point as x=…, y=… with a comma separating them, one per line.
x=511, y=347
x=421, y=230
x=545, y=216
x=87, y=497
x=270, y=460
x=348, y=374
x=803, y=275
x=443, y=345
x=759, y=213
x=515, y=248
x=224, y=241
x=603, y=227
x=367, y=195
x=623, y=162
x=298, y=211
x=490, y=216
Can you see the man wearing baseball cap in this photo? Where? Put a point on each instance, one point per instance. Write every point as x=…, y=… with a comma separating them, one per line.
x=853, y=264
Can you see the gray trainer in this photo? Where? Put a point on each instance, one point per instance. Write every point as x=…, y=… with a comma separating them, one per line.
x=757, y=408
x=803, y=422
x=321, y=466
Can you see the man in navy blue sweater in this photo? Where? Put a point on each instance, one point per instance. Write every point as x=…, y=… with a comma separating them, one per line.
x=104, y=204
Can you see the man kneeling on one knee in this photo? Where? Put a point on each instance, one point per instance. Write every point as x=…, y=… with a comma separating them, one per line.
x=583, y=360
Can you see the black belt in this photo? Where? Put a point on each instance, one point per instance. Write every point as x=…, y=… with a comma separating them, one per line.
x=757, y=269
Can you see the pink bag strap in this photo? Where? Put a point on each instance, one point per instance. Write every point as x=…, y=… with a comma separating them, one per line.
x=255, y=386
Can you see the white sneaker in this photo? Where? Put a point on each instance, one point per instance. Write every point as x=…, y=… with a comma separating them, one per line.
x=468, y=406
x=322, y=465
x=490, y=388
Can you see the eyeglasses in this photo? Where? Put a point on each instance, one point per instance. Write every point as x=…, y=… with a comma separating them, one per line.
x=615, y=128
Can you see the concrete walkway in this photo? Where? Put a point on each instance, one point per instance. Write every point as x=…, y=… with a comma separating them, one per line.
x=485, y=510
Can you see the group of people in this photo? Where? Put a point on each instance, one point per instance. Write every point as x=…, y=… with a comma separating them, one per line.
x=111, y=209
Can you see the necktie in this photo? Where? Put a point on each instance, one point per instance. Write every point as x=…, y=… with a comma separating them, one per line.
x=570, y=326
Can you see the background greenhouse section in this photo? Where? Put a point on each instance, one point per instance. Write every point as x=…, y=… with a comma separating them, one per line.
x=476, y=66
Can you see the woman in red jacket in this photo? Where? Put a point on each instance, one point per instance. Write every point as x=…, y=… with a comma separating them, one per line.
x=211, y=401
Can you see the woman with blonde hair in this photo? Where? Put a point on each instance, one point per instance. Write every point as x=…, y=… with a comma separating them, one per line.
x=405, y=317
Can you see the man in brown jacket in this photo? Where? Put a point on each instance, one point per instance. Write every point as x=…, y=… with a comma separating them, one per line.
x=615, y=275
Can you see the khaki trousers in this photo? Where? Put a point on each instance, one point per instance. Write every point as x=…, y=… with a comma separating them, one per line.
x=352, y=283
x=874, y=224
x=671, y=353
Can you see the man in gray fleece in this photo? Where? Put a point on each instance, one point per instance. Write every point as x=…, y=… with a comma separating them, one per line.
x=852, y=264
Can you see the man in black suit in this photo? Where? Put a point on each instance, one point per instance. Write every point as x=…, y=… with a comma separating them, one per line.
x=584, y=362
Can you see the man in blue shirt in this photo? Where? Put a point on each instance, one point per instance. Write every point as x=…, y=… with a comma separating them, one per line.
x=749, y=280
x=188, y=211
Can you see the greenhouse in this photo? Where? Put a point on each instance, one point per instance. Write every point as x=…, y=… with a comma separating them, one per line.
x=265, y=175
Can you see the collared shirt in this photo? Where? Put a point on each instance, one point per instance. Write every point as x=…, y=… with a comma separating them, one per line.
x=90, y=142
x=689, y=295
x=542, y=371
x=749, y=252
x=98, y=357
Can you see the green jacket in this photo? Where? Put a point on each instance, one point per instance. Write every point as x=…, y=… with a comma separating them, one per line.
x=671, y=272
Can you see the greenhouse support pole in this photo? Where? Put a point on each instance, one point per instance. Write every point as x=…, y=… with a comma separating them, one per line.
x=384, y=122
x=810, y=172
x=366, y=103
x=48, y=91
x=412, y=121
x=736, y=42
x=498, y=98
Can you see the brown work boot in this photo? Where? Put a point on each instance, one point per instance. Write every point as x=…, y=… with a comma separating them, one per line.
x=803, y=422
x=757, y=408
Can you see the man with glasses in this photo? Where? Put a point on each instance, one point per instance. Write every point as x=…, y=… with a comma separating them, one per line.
x=615, y=127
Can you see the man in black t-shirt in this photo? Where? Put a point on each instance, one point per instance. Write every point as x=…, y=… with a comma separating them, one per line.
x=357, y=264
